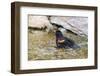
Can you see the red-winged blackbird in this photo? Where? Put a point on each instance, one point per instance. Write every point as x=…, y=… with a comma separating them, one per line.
x=64, y=42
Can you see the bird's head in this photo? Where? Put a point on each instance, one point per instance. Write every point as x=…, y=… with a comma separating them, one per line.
x=59, y=36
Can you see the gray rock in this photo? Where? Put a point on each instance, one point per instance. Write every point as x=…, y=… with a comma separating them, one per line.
x=78, y=25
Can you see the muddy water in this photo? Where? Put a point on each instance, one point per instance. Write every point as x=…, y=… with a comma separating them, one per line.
x=42, y=46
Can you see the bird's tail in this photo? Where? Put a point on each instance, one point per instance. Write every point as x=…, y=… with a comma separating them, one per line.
x=76, y=46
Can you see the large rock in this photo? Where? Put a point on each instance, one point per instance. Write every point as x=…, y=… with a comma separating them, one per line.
x=39, y=22
x=78, y=25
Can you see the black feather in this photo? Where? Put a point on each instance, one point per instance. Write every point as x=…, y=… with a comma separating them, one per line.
x=67, y=43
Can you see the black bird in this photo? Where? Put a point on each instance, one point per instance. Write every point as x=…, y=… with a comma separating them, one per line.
x=64, y=42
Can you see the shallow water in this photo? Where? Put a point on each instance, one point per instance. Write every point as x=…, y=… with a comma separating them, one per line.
x=42, y=46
